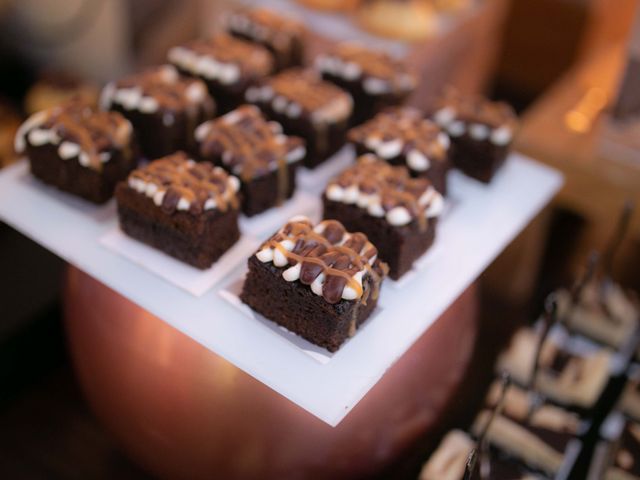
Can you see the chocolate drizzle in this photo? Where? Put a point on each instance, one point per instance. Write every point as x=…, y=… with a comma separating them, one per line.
x=477, y=109
x=266, y=27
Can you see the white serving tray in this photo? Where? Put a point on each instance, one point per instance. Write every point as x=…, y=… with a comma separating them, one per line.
x=479, y=224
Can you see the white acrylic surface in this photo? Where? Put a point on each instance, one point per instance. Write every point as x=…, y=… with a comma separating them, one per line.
x=481, y=222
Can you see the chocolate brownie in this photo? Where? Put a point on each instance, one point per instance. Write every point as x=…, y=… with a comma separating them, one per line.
x=227, y=64
x=282, y=36
x=78, y=149
x=320, y=282
x=163, y=108
x=396, y=212
x=481, y=132
x=374, y=79
x=256, y=151
x=402, y=136
x=306, y=106
x=186, y=209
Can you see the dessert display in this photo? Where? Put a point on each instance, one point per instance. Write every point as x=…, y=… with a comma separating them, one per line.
x=282, y=36
x=374, y=79
x=402, y=136
x=55, y=88
x=227, y=64
x=163, y=108
x=78, y=149
x=481, y=132
x=188, y=210
x=256, y=151
x=318, y=281
x=400, y=19
x=397, y=213
x=306, y=106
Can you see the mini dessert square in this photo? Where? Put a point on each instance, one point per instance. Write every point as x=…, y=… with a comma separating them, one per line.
x=320, y=282
x=228, y=65
x=186, y=209
x=481, y=132
x=572, y=379
x=256, y=151
x=284, y=37
x=163, y=108
x=402, y=136
x=78, y=149
x=374, y=79
x=397, y=213
x=306, y=106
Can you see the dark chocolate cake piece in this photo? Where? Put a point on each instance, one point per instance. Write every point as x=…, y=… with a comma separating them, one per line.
x=284, y=37
x=320, y=282
x=481, y=132
x=374, y=79
x=397, y=213
x=306, y=106
x=228, y=65
x=256, y=151
x=402, y=136
x=78, y=149
x=188, y=210
x=163, y=108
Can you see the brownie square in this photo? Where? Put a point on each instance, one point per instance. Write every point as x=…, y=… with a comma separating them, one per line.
x=396, y=212
x=186, y=209
x=320, y=282
x=402, y=136
x=256, y=151
x=163, y=108
x=481, y=132
x=374, y=79
x=308, y=107
x=78, y=149
x=227, y=64
x=282, y=36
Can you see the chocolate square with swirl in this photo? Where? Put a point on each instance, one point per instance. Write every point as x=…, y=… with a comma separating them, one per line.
x=318, y=281
x=284, y=37
x=397, y=212
x=78, y=149
x=306, y=106
x=402, y=136
x=481, y=132
x=188, y=210
x=163, y=107
x=256, y=151
x=374, y=79
x=228, y=65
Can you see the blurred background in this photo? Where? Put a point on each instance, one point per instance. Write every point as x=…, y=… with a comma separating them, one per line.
x=571, y=68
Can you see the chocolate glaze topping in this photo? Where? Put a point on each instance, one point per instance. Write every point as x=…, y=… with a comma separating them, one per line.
x=178, y=183
x=477, y=109
x=247, y=143
x=331, y=259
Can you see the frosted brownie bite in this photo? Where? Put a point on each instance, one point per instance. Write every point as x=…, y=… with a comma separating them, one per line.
x=318, y=281
x=255, y=150
x=306, y=106
x=186, y=209
x=374, y=79
x=284, y=37
x=402, y=136
x=481, y=132
x=398, y=213
x=228, y=65
x=163, y=107
x=78, y=149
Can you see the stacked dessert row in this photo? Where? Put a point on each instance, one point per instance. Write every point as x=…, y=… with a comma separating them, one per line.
x=222, y=129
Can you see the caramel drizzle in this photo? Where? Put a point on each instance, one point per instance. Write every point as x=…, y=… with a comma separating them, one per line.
x=93, y=131
x=477, y=109
x=342, y=261
x=407, y=125
x=374, y=64
x=393, y=184
x=180, y=177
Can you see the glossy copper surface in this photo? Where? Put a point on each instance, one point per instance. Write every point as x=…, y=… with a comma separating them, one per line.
x=183, y=412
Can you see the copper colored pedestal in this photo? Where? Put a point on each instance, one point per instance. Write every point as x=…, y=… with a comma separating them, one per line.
x=183, y=412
